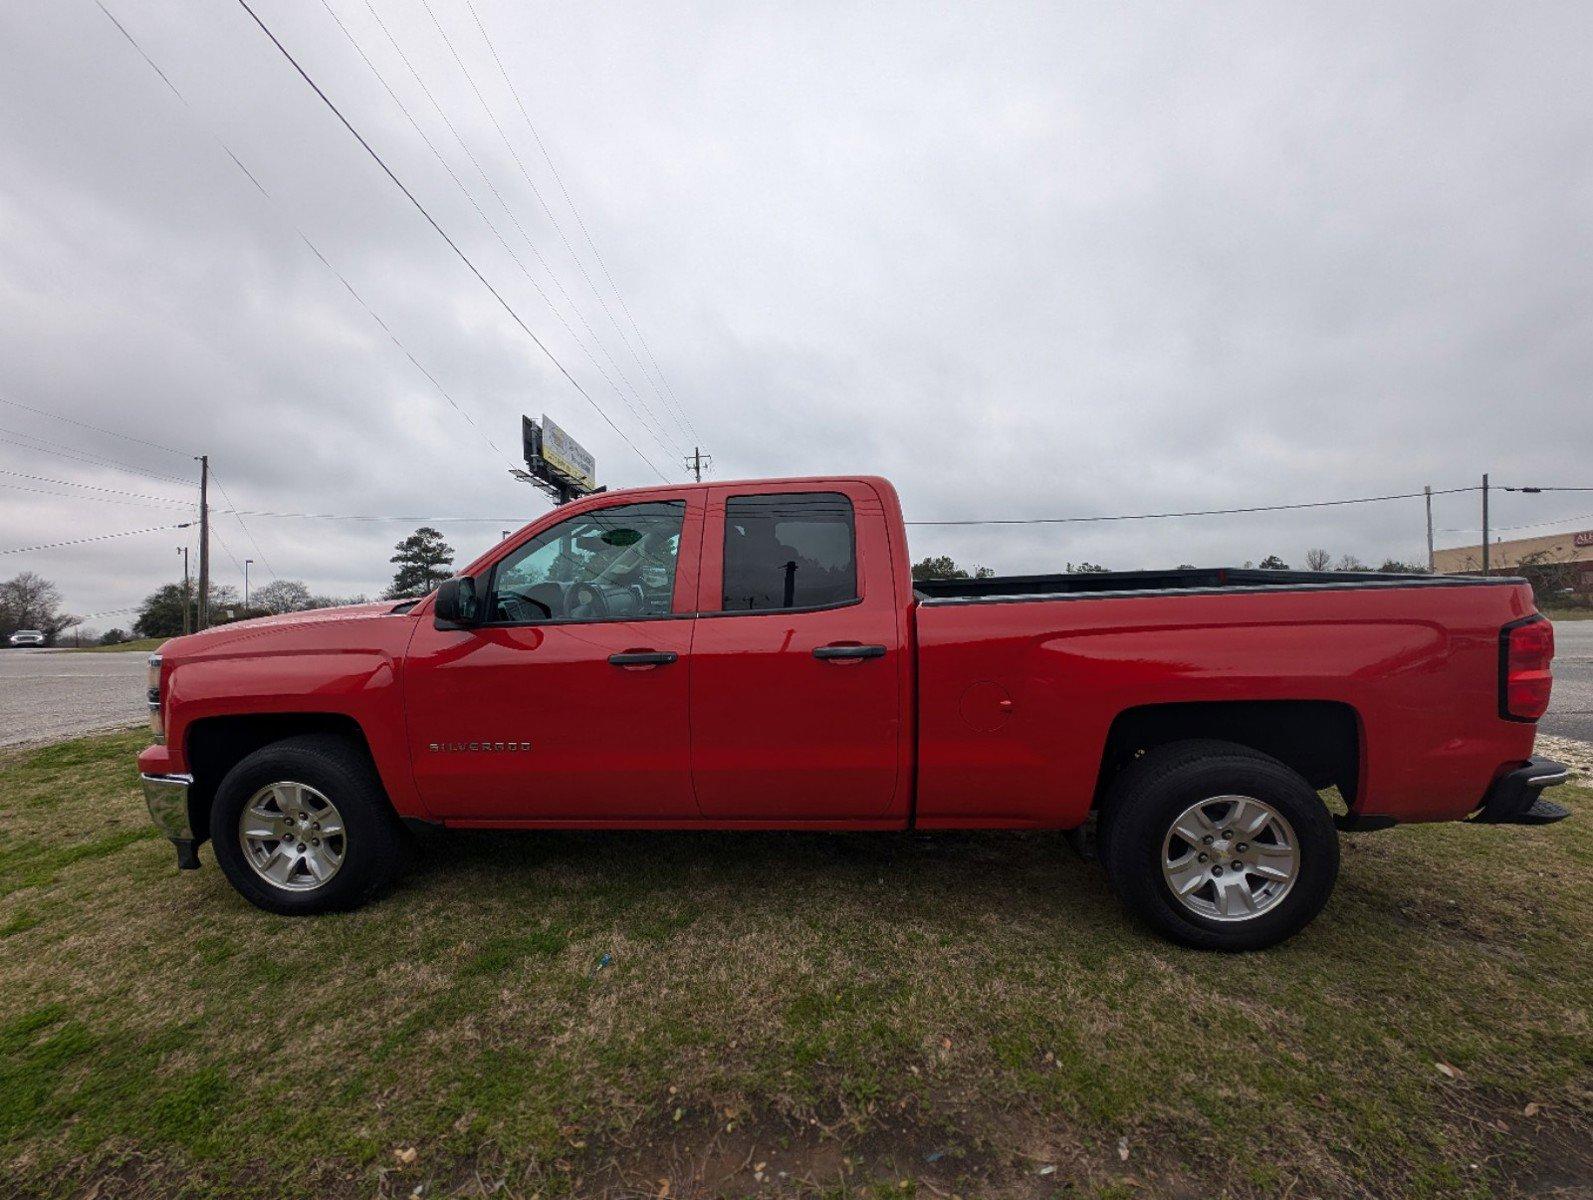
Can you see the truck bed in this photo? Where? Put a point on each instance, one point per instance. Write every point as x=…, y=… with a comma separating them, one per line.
x=1021, y=680
x=1101, y=584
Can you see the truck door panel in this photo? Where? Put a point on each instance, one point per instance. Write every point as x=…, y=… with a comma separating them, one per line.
x=797, y=665
x=570, y=703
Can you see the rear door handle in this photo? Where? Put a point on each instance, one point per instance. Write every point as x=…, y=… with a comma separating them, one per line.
x=643, y=658
x=840, y=651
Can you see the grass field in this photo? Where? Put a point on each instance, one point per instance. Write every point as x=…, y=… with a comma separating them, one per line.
x=144, y=644
x=703, y=1015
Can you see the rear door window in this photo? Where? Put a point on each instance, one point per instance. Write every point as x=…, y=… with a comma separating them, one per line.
x=789, y=550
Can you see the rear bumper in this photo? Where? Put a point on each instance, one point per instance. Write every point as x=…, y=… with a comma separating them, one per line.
x=1514, y=798
x=167, y=799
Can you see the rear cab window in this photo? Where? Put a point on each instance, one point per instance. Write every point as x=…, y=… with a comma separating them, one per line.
x=789, y=551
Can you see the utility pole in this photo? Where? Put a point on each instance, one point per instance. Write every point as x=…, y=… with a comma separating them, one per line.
x=1429, y=493
x=1485, y=523
x=697, y=460
x=203, y=617
x=246, y=563
x=187, y=591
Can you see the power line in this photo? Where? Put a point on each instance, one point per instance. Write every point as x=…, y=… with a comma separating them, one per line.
x=227, y=549
x=303, y=237
x=1210, y=512
x=452, y=245
x=585, y=233
x=516, y=520
x=98, y=460
x=95, y=488
x=1534, y=490
x=100, y=538
x=1529, y=525
x=1207, y=512
x=535, y=191
x=249, y=533
x=17, y=487
x=503, y=204
x=72, y=420
x=111, y=612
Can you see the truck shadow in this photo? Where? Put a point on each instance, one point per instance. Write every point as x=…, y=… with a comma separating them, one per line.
x=994, y=872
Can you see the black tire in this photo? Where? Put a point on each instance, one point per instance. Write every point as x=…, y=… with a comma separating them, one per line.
x=374, y=839
x=1152, y=792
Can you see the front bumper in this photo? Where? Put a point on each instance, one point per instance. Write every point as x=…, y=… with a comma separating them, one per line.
x=167, y=798
x=1514, y=798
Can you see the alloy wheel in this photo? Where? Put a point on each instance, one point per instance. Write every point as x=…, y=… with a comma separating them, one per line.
x=1230, y=858
x=292, y=836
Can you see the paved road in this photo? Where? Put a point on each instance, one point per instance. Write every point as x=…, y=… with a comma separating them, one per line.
x=1571, y=709
x=49, y=694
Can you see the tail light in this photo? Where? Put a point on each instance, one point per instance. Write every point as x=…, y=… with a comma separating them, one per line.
x=1526, y=648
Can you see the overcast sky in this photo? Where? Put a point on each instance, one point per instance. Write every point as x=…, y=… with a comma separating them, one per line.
x=1050, y=260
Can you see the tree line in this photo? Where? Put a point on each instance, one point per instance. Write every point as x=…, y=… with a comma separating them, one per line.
x=422, y=561
x=942, y=566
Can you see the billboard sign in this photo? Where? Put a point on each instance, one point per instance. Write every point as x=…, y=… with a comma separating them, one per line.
x=1585, y=538
x=566, y=455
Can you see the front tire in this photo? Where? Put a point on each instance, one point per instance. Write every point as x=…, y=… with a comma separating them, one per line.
x=303, y=826
x=1218, y=846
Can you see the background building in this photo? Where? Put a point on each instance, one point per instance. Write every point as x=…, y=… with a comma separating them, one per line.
x=1565, y=559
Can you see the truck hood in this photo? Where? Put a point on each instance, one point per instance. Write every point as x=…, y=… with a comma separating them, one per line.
x=261, y=633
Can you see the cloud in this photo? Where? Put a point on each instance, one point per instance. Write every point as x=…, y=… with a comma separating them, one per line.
x=1025, y=260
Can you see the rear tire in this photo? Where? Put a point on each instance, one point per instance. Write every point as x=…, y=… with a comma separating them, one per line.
x=303, y=826
x=1259, y=860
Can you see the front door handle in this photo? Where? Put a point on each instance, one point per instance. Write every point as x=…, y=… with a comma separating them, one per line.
x=846, y=651
x=643, y=658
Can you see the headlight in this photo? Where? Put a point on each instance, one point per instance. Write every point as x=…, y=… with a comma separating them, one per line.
x=157, y=723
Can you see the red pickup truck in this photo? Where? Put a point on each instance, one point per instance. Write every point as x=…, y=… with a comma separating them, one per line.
x=757, y=656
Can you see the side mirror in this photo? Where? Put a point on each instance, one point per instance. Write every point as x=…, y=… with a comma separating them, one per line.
x=457, y=606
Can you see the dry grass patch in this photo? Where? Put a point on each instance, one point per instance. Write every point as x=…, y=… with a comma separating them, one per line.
x=600, y=1013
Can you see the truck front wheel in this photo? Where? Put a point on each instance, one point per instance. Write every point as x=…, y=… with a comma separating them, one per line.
x=1218, y=846
x=302, y=826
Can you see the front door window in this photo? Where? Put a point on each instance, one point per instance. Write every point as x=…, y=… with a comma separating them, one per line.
x=611, y=564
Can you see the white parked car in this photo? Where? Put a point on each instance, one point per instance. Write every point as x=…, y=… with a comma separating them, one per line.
x=27, y=637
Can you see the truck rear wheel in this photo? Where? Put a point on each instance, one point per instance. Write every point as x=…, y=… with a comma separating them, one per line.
x=302, y=826
x=1218, y=846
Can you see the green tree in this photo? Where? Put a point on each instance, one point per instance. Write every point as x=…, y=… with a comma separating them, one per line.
x=942, y=567
x=161, y=614
x=1550, y=577
x=1087, y=568
x=113, y=637
x=1273, y=563
x=424, y=560
x=1393, y=566
x=30, y=601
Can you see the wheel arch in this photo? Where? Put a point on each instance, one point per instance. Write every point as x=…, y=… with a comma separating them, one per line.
x=214, y=745
x=1319, y=739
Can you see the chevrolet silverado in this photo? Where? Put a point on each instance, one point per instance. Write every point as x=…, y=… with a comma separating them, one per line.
x=758, y=656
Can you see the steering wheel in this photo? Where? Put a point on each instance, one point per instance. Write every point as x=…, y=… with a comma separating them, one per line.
x=586, y=600
x=524, y=598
